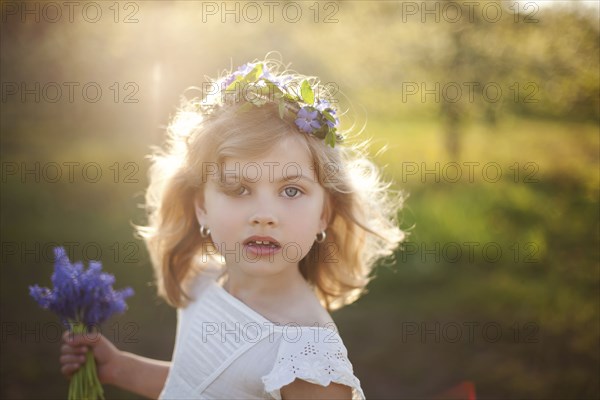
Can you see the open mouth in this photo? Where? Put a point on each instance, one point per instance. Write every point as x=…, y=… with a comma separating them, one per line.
x=262, y=246
x=263, y=243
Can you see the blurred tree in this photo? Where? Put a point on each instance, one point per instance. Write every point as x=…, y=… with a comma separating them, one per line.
x=465, y=61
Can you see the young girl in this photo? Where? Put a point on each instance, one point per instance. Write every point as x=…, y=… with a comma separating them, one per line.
x=263, y=219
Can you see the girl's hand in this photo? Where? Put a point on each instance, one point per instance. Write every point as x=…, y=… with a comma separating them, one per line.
x=75, y=347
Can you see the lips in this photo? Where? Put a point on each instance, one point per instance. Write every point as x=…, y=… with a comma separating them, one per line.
x=262, y=241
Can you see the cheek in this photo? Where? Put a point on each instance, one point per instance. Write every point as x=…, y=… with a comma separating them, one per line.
x=223, y=218
x=307, y=213
x=305, y=222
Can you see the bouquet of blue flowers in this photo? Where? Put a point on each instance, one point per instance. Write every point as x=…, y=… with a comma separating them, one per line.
x=83, y=299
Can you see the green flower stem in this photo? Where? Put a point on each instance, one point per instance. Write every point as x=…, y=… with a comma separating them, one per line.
x=85, y=383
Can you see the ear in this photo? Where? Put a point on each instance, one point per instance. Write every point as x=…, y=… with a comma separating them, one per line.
x=201, y=214
x=326, y=214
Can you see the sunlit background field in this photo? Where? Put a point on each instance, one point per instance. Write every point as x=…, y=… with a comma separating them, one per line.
x=485, y=113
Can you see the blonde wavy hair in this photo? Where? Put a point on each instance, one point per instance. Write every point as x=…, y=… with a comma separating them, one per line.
x=363, y=211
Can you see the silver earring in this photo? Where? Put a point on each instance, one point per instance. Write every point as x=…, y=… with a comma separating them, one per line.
x=321, y=237
x=204, y=231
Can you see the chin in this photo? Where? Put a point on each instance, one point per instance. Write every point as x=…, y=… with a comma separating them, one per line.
x=264, y=268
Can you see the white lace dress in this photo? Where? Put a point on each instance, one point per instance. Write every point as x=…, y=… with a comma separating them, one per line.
x=226, y=350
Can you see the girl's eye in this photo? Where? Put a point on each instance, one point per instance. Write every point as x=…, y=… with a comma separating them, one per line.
x=234, y=190
x=291, y=191
x=240, y=191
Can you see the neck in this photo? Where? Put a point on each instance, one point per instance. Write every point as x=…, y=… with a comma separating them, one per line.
x=264, y=288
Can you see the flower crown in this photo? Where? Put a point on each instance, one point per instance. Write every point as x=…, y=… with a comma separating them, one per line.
x=313, y=115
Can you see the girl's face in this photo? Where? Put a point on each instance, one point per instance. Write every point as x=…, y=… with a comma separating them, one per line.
x=264, y=213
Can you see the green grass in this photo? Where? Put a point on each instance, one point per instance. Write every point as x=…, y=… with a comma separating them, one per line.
x=554, y=147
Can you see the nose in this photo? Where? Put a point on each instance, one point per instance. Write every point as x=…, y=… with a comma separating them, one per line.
x=264, y=215
x=263, y=218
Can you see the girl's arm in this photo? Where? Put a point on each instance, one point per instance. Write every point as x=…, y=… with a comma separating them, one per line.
x=301, y=389
x=140, y=375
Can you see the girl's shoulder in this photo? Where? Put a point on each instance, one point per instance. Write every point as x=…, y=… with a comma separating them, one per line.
x=201, y=276
x=310, y=312
x=304, y=311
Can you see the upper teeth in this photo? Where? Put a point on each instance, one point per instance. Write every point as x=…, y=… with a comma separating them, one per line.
x=263, y=242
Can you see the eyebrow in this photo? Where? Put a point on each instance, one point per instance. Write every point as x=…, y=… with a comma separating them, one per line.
x=293, y=177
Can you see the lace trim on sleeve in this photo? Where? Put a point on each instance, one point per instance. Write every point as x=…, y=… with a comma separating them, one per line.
x=316, y=357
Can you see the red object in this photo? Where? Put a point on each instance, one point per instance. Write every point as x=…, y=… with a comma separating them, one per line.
x=465, y=390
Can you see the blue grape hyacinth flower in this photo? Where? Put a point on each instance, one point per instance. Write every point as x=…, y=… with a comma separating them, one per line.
x=85, y=296
x=82, y=299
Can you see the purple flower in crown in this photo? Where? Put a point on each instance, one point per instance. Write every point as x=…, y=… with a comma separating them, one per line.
x=324, y=105
x=228, y=80
x=241, y=71
x=245, y=69
x=266, y=74
x=80, y=296
x=307, y=120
